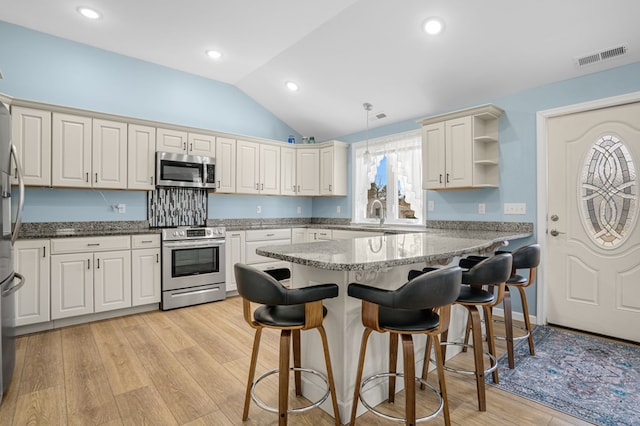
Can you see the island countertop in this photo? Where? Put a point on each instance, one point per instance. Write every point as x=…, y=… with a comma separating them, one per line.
x=385, y=251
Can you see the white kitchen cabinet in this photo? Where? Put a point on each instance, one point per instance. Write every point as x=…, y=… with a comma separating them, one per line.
x=90, y=275
x=298, y=235
x=308, y=171
x=333, y=169
x=235, y=253
x=31, y=135
x=181, y=142
x=225, y=165
x=145, y=269
x=31, y=259
x=265, y=237
x=142, y=157
x=320, y=234
x=88, y=152
x=288, y=179
x=109, y=154
x=257, y=168
x=460, y=149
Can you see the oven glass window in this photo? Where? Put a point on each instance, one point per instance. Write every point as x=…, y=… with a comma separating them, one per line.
x=195, y=261
x=181, y=171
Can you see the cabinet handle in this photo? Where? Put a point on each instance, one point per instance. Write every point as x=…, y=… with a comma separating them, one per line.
x=262, y=186
x=447, y=177
x=146, y=241
x=16, y=172
x=270, y=235
x=218, y=184
x=191, y=147
x=294, y=188
x=98, y=263
x=257, y=186
x=88, y=263
x=151, y=180
x=440, y=177
x=329, y=187
x=87, y=177
x=93, y=244
x=96, y=177
x=44, y=251
x=184, y=146
x=157, y=258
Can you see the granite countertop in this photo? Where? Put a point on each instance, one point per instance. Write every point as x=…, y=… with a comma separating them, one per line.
x=35, y=230
x=367, y=253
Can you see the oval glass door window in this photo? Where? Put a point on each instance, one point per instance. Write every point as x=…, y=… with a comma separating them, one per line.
x=609, y=192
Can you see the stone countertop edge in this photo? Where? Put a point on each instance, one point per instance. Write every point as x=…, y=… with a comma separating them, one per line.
x=351, y=255
x=47, y=230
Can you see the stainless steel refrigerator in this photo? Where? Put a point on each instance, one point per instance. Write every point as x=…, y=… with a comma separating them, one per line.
x=10, y=281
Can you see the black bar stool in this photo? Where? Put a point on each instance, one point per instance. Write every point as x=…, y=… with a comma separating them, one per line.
x=492, y=272
x=288, y=310
x=421, y=306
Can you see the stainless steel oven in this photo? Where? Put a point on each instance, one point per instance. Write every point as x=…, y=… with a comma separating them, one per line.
x=193, y=266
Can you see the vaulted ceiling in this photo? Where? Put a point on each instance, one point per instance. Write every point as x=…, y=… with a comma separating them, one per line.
x=343, y=53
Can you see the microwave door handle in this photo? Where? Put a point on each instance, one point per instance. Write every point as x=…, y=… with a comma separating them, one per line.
x=16, y=229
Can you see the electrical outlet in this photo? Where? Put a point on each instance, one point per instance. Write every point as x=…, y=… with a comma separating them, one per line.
x=515, y=208
x=258, y=209
x=338, y=209
x=299, y=210
x=430, y=205
x=482, y=208
x=122, y=208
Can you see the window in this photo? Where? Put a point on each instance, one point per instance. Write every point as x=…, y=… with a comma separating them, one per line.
x=388, y=181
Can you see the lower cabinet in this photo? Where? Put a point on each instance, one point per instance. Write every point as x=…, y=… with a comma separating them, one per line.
x=235, y=253
x=145, y=270
x=31, y=259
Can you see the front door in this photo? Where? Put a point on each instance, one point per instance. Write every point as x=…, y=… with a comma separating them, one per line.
x=593, y=245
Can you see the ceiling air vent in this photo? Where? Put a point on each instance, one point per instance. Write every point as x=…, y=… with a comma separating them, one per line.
x=377, y=116
x=603, y=55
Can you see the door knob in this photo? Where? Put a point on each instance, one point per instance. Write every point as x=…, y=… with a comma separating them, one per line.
x=555, y=233
x=554, y=217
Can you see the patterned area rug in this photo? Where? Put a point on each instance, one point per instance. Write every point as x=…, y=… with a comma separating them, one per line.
x=588, y=377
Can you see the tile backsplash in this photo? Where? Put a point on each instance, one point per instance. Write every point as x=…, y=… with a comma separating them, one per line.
x=168, y=207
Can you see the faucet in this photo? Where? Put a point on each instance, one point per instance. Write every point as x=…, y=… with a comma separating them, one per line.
x=378, y=203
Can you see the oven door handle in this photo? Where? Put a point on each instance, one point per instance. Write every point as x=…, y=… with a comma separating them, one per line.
x=193, y=243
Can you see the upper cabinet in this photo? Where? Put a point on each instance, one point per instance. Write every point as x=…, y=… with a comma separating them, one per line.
x=31, y=135
x=288, y=172
x=308, y=171
x=88, y=152
x=225, y=165
x=169, y=140
x=142, y=157
x=461, y=150
x=333, y=169
x=257, y=168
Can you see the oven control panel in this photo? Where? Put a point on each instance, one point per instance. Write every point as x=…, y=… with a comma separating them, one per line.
x=188, y=233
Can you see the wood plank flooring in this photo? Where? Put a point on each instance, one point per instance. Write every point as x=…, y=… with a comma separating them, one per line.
x=188, y=367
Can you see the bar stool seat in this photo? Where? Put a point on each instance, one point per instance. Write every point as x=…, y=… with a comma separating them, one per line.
x=421, y=306
x=290, y=311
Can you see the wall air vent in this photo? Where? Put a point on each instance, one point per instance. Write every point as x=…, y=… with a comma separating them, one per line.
x=603, y=55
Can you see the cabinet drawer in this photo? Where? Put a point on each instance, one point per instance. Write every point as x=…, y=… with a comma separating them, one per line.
x=268, y=234
x=251, y=257
x=145, y=241
x=93, y=244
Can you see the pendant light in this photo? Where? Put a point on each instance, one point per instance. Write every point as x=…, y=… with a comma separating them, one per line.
x=367, y=107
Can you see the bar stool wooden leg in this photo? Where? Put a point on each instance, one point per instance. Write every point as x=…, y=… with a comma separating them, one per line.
x=441, y=382
x=356, y=393
x=252, y=372
x=467, y=334
x=409, y=379
x=297, y=363
x=332, y=386
x=283, y=377
x=393, y=362
x=508, y=326
x=476, y=334
x=427, y=358
x=491, y=339
x=527, y=321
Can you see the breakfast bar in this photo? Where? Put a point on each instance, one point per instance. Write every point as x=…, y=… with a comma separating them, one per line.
x=382, y=261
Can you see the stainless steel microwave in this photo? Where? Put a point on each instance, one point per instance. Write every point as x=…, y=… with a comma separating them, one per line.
x=192, y=171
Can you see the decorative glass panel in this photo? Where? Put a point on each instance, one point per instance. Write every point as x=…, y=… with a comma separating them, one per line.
x=608, y=192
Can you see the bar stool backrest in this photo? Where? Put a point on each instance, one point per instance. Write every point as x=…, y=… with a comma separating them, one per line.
x=526, y=257
x=493, y=270
x=258, y=286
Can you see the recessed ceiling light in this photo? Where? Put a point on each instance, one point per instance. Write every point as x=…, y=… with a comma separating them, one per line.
x=214, y=54
x=89, y=13
x=292, y=86
x=433, y=26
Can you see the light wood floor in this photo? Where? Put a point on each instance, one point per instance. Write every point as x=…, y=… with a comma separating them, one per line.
x=186, y=367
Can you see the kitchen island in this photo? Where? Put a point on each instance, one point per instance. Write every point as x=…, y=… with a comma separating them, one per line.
x=382, y=261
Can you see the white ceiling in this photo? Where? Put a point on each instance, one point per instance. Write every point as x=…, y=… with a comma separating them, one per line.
x=346, y=52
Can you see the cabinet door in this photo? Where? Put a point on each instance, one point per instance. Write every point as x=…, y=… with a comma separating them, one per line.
x=269, y=169
x=145, y=276
x=31, y=259
x=225, y=165
x=112, y=280
x=109, y=154
x=31, y=135
x=171, y=141
x=71, y=285
x=141, y=164
x=298, y=235
x=287, y=171
x=307, y=173
x=459, y=152
x=326, y=171
x=433, y=156
x=204, y=145
x=71, y=151
x=235, y=253
x=333, y=170
x=247, y=167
